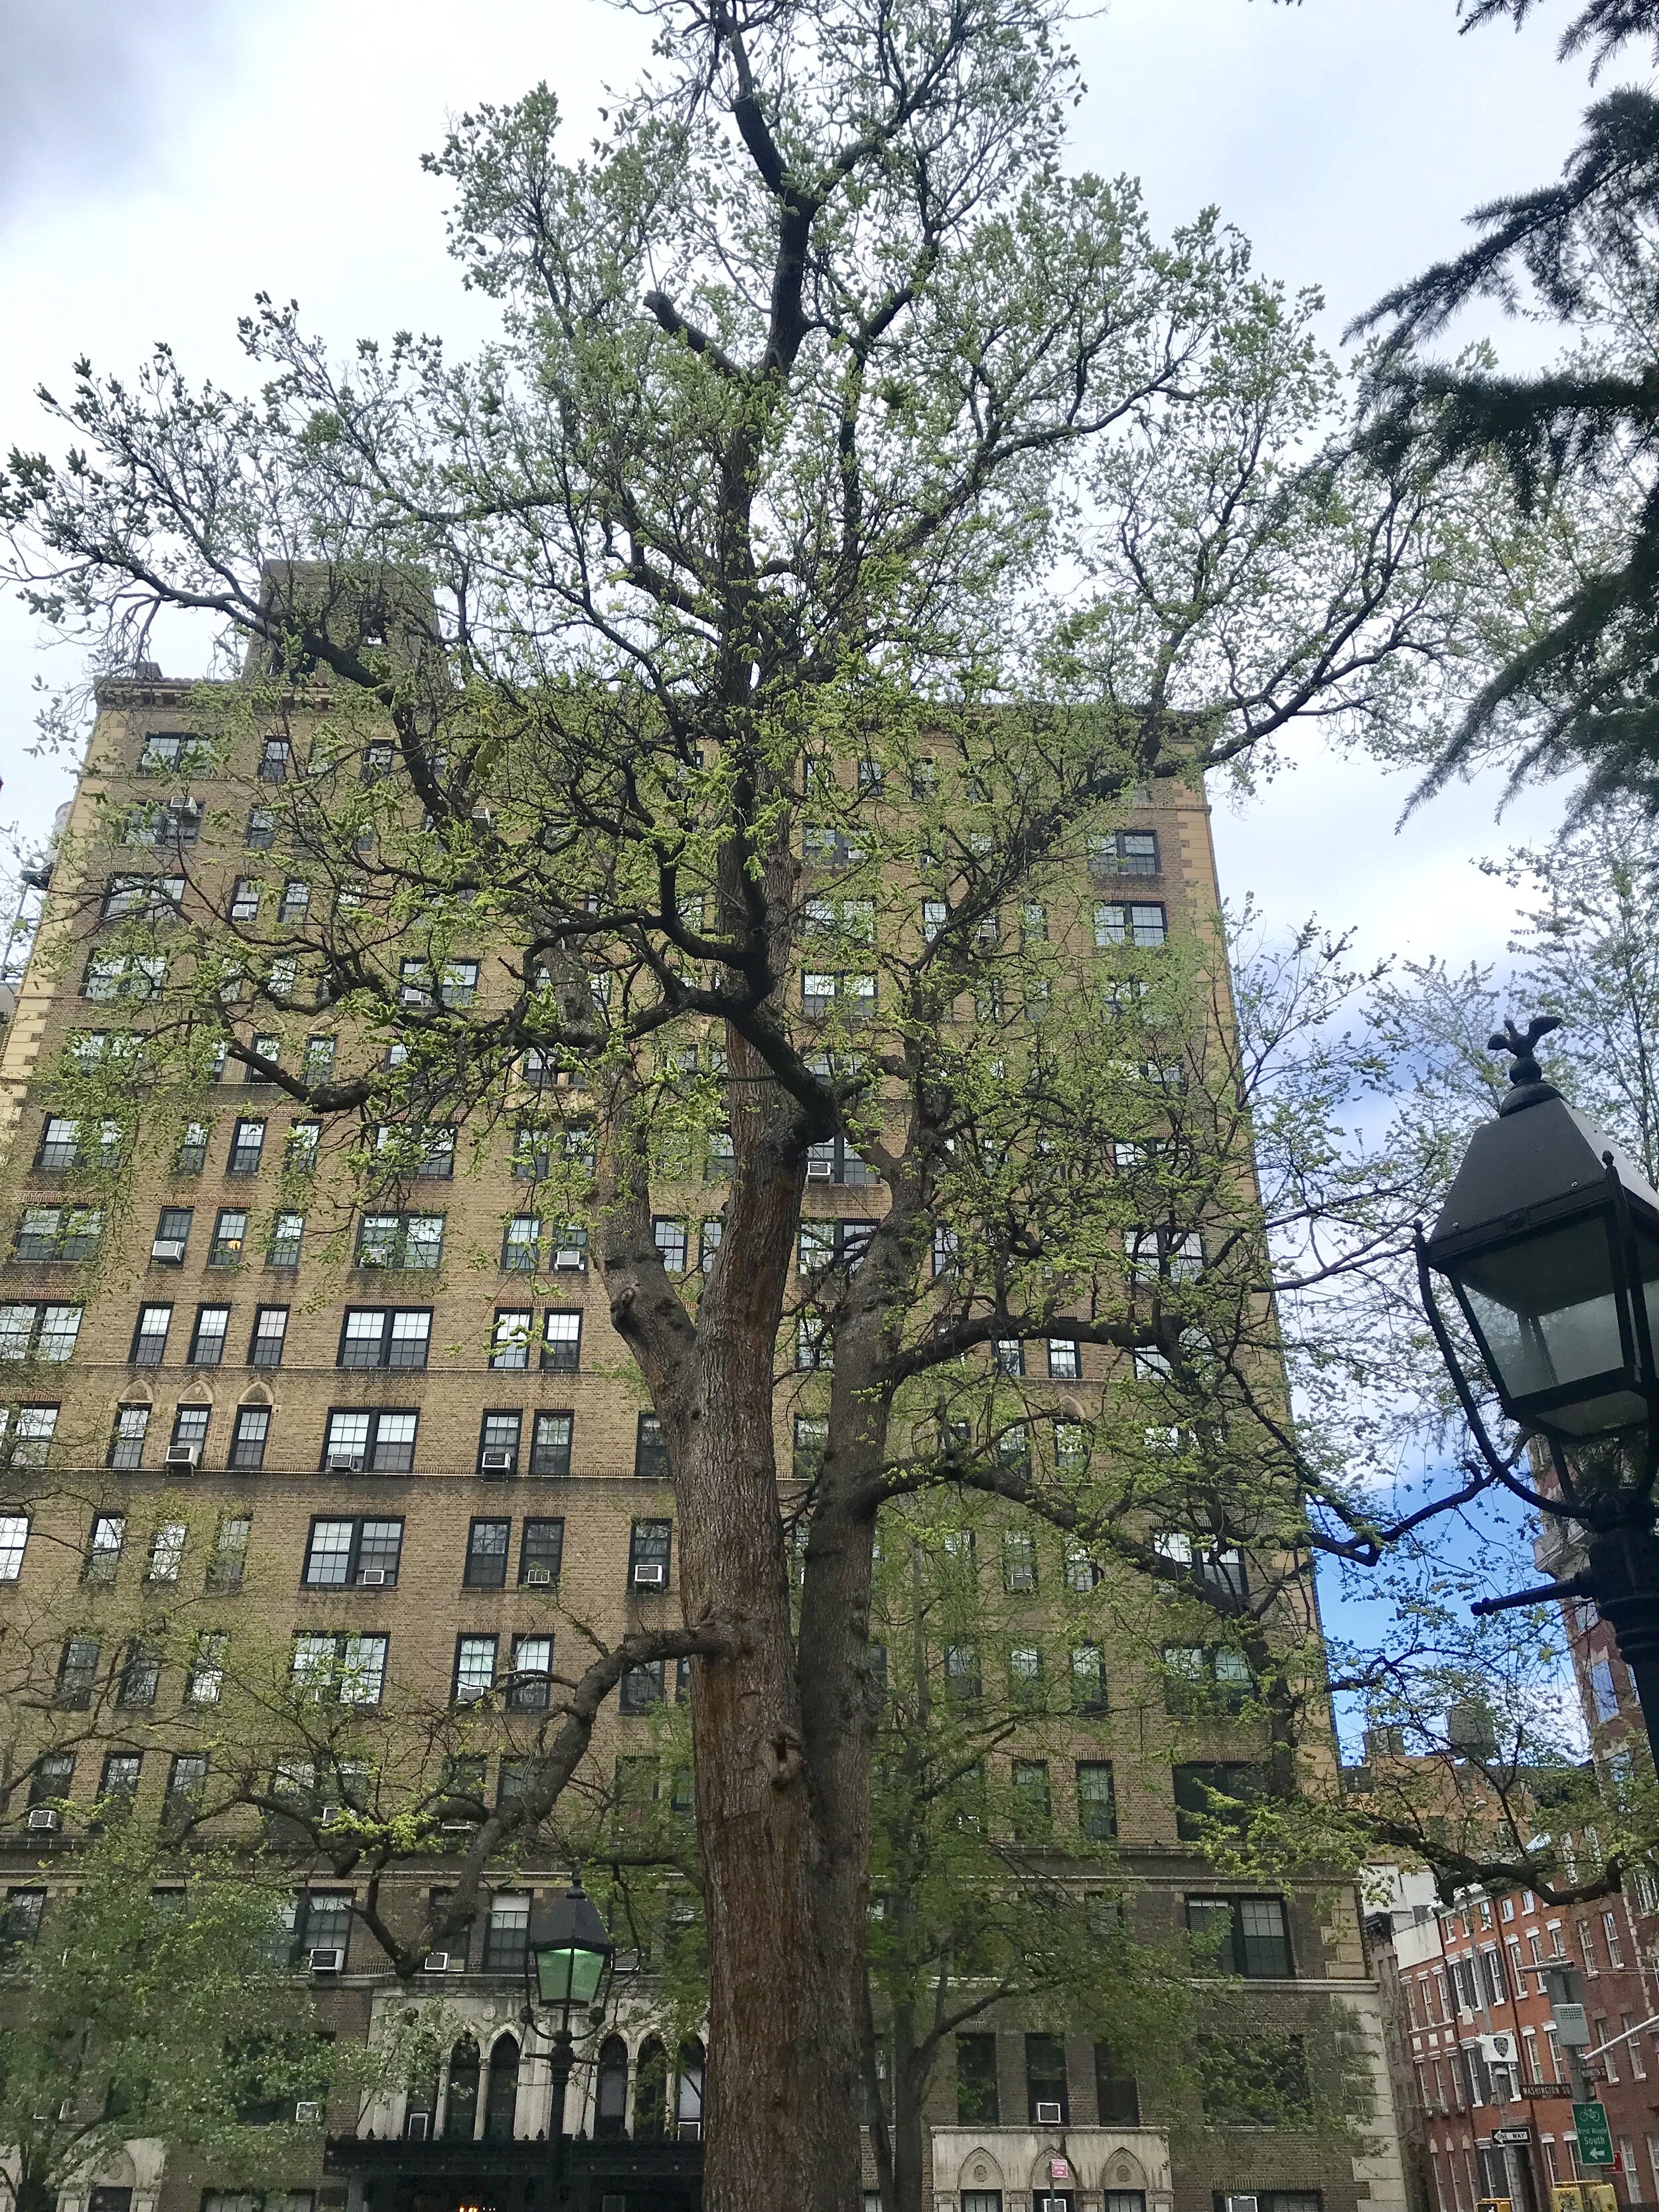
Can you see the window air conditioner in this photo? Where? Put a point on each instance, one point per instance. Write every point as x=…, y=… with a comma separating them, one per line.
x=1047, y=2115
x=436, y=1962
x=326, y=1814
x=184, y=1456
x=167, y=1247
x=45, y=1820
x=416, y=2127
x=345, y=1463
x=307, y=2114
x=327, y=1960
x=819, y=1170
x=371, y=1577
x=689, y=2130
x=1240, y=2204
x=539, y=1577
x=455, y=1828
x=495, y=1462
x=649, y=1574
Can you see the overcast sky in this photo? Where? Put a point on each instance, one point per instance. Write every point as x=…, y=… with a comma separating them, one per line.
x=162, y=160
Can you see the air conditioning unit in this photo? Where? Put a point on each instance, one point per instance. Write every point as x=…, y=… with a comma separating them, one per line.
x=436, y=1962
x=184, y=1456
x=326, y=1960
x=455, y=1828
x=1047, y=2115
x=819, y=1170
x=689, y=2130
x=345, y=1463
x=417, y=2127
x=372, y=1577
x=539, y=1577
x=495, y=1462
x=167, y=1247
x=1241, y=2204
x=307, y=2114
x=326, y=1815
x=45, y=1820
x=649, y=1574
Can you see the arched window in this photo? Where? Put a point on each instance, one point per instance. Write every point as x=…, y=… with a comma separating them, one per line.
x=502, y=2095
x=688, y=2090
x=651, y=2090
x=610, y=2116
x=461, y=2107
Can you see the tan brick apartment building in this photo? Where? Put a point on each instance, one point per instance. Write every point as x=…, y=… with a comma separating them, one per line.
x=406, y=1448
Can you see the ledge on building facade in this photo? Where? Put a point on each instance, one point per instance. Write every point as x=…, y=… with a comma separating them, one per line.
x=1084, y=2162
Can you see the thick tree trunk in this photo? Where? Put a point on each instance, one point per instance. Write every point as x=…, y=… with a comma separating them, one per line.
x=33, y=2195
x=909, y=2081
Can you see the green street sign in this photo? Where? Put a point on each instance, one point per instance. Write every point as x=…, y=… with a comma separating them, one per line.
x=1595, y=2143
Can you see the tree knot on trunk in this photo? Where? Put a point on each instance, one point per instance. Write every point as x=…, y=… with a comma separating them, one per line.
x=788, y=1764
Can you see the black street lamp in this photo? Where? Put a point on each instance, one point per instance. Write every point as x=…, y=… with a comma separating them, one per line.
x=567, y=1963
x=1549, y=1241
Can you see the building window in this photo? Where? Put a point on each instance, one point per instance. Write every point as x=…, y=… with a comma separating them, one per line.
x=401, y=1240
x=498, y=1443
x=1097, y=1801
x=342, y=1554
x=521, y=1244
x=1088, y=1680
x=1124, y=853
x=561, y=1341
x=27, y=1440
x=337, y=1668
x=811, y=1442
x=541, y=1554
x=1203, y=1680
x=77, y=1673
x=167, y=1552
x=1117, y=2100
x=229, y=1556
x=1065, y=1363
x=204, y=1682
x=475, y=1668
x=977, y=2103
x=487, y=1544
x=299, y=1152
x=135, y=977
x=38, y=1332
x=247, y=1145
x=54, y=1777
x=13, y=1542
x=276, y=759
x=1130, y=924
x=1046, y=2100
x=506, y=1934
x=207, y=1338
x=249, y=1436
x=509, y=1341
x=380, y=1443
x=648, y=1554
x=1033, y=1801
x=550, y=1451
x=269, y=1334
x=385, y=1336
x=651, y=1450
x=59, y=1232
x=833, y=1161
x=192, y=1155
x=962, y=1676
x=670, y=1237
x=117, y=1787
x=1199, y=1785
x=187, y=1787
x=103, y=1555
x=1250, y=1933
x=531, y=1689
x=641, y=1688
x=230, y=1238
x=814, y=1346
x=287, y=1232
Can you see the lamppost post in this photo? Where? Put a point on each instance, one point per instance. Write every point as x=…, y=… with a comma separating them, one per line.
x=568, y=1964
x=1549, y=1243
